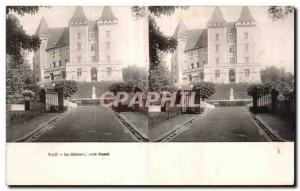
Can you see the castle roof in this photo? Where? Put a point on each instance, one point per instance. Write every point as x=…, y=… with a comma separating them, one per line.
x=180, y=29
x=217, y=16
x=196, y=38
x=107, y=14
x=58, y=37
x=43, y=27
x=246, y=16
x=78, y=15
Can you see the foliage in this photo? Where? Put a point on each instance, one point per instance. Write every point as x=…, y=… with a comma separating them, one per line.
x=136, y=76
x=17, y=40
x=69, y=87
x=121, y=87
x=33, y=87
x=22, y=10
x=168, y=88
x=28, y=94
x=140, y=11
x=254, y=89
x=277, y=79
x=205, y=89
x=279, y=12
x=17, y=74
x=158, y=43
x=157, y=77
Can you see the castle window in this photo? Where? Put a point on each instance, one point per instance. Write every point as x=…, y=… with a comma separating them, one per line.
x=78, y=47
x=107, y=34
x=246, y=47
x=54, y=64
x=217, y=37
x=190, y=78
x=51, y=76
x=92, y=34
x=107, y=45
x=59, y=63
x=247, y=60
x=217, y=60
x=79, y=59
x=198, y=65
x=246, y=35
x=231, y=49
x=93, y=59
x=247, y=72
x=201, y=74
x=79, y=71
x=78, y=36
x=93, y=47
x=230, y=36
x=217, y=73
x=66, y=60
x=109, y=71
x=217, y=48
x=63, y=74
x=232, y=60
x=192, y=66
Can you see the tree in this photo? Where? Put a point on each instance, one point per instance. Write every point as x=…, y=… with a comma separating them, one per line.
x=158, y=77
x=158, y=42
x=278, y=79
x=136, y=76
x=16, y=38
x=69, y=87
x=16, y=76
x=204, y=89
x=279, y=12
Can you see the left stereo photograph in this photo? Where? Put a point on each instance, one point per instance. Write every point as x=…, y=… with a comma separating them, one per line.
x=65, y=66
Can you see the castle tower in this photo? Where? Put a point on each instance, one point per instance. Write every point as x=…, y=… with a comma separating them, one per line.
x=246, y=47
x=178, y=57
x=216, y=29
x=108, y=41
x=40, y=56
x=78, y=32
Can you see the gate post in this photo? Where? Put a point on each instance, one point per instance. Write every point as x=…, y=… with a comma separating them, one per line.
x=274, y=94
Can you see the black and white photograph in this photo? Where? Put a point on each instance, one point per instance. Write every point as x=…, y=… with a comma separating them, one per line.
x=74, y=56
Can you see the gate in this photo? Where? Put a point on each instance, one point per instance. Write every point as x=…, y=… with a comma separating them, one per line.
x=54, y=100
x=185, y=101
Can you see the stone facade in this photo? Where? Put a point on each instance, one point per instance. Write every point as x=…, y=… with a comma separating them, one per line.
x=225, y=52
x=83, y=51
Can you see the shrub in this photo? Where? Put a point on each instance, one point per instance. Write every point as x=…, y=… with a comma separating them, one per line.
x=28, y=94
x=121, y=87
x=204, y=89
x=254, y=89
x=69, y=87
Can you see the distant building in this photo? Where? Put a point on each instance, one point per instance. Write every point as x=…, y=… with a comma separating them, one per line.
x=224, y=52
x=83, y=51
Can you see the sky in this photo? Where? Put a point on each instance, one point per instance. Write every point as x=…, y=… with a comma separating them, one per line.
x=133, y=32
x=275, y=39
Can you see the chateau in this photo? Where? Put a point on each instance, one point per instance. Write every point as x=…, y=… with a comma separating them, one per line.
x=224, y=52
x=84, y=51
